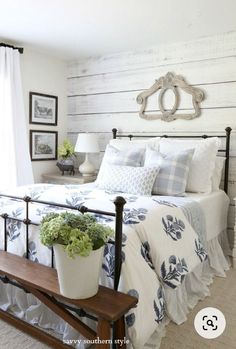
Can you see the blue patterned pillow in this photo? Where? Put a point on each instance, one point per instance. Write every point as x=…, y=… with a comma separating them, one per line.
x=125, y=157
x=173, y=174
x=127, y=179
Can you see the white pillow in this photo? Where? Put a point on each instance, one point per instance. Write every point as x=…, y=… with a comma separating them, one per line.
x=127, y=179
x=125, y=157
x=217, y=173
x=203, y=160
x=141, y=143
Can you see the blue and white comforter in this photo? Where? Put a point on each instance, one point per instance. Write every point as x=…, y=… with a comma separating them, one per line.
x=160, y=244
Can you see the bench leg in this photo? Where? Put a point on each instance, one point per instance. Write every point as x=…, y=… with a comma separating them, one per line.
x=33, y=331
x=104, y=333
x=120, y=333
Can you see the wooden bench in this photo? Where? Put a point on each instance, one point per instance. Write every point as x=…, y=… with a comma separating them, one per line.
x=107, y=305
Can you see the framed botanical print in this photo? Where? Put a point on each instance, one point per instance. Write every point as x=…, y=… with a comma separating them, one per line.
x=43, y=109
x=43, y=145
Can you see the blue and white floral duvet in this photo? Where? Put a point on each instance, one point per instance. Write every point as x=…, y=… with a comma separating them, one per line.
x=160, y=244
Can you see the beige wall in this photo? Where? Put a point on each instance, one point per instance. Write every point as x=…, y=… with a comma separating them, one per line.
x=44, y=74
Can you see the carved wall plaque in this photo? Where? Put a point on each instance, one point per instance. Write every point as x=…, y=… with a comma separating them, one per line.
x=170, y=82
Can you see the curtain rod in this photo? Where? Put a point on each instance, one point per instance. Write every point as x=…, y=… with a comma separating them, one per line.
x=20, y=49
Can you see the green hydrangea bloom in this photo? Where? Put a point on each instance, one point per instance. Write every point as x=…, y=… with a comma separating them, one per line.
x=79, y=244
x=80, y=234
x=98, y=234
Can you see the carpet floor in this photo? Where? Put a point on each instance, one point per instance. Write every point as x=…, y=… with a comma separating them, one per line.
x=223, y=297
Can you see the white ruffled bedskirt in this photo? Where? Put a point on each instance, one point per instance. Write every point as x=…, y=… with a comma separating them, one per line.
x=179, y=301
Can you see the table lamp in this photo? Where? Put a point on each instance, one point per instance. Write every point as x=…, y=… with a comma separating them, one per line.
x=87, y=143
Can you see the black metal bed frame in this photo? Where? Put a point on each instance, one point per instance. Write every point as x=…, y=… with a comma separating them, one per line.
x=119, y=203
x=225, y=150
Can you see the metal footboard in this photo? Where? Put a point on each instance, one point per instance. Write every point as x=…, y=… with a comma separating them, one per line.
x=119, y=203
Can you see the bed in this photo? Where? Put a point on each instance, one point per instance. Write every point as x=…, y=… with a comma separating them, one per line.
x=172, y=245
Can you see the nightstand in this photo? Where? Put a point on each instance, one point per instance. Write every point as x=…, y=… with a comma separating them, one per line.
x=57, y=178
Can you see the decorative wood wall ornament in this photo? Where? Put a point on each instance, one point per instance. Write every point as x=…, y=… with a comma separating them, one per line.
x=170, y=82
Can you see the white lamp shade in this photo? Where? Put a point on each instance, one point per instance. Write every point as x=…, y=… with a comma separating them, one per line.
x=87, y=143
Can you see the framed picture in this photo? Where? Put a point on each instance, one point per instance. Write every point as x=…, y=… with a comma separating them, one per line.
x=43, y=145
x=42, y=109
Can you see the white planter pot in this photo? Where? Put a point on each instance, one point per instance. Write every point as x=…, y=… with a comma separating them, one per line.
x=79, y=277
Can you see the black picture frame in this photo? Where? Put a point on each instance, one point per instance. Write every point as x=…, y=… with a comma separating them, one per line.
x=43, y=109
x=43, y=145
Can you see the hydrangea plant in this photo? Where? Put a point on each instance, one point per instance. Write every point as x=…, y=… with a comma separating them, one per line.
x=80, y=234
x=66, y=150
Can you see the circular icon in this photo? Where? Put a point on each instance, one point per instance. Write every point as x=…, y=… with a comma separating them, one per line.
x=209, y=323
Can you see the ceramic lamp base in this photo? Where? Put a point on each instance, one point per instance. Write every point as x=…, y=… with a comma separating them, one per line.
x=86, y=168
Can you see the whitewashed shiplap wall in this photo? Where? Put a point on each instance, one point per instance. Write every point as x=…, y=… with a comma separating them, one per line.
x=102, y=92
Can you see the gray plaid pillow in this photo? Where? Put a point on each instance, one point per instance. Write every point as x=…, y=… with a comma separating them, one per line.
x=173, y=174
x=126, y=157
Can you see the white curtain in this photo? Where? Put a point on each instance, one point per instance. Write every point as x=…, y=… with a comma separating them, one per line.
x=15, y=163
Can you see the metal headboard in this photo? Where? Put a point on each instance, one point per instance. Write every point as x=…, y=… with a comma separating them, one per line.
x=224, y=150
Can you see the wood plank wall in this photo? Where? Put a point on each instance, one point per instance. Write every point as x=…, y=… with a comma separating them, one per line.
x=102, y=93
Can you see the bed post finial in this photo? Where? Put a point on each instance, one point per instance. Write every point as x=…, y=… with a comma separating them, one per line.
x=228, y=131
x=119, y=204
x=114, y=131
